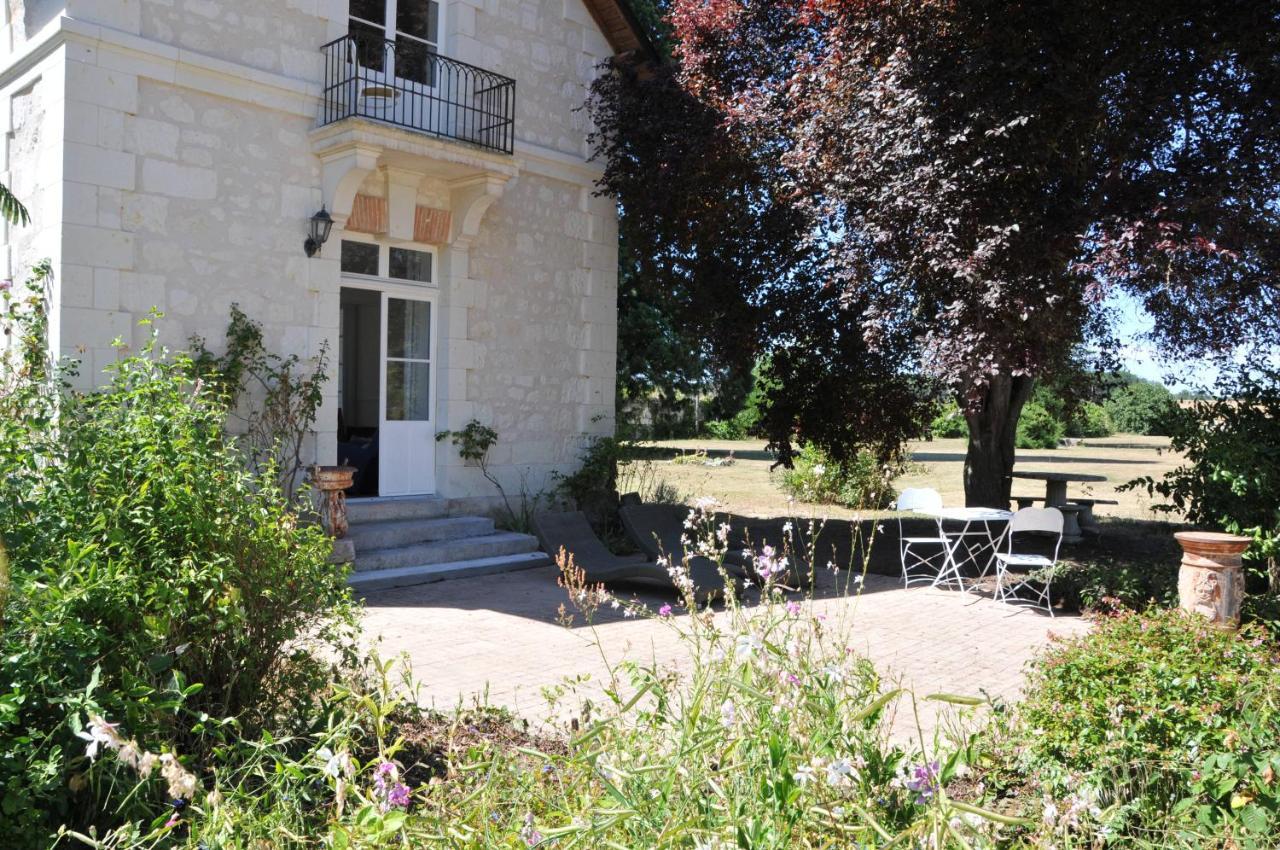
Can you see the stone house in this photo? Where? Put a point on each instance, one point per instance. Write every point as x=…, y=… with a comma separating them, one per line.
x=173, y=155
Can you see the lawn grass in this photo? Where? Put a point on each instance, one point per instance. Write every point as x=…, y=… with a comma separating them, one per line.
x=748, y=487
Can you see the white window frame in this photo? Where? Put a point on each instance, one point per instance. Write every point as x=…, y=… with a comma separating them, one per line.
x=389, y=31
x=384, y=262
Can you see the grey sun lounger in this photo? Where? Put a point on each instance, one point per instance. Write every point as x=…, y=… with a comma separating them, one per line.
x=571, y=531
x=658, y=530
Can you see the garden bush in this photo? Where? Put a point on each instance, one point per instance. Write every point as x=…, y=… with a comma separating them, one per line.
x=153, y=581
x=1156, y=726
x=864, y=482
x=1090, y=420
x=1142, y=407
x=1037, y=429
x=949, y=423
x=1231, y=478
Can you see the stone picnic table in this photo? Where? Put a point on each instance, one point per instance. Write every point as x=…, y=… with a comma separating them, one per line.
x=1055, y=484
x=1055, y=496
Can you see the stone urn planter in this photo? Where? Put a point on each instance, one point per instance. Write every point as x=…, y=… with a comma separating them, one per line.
x=1211, y=580
x=331, y=482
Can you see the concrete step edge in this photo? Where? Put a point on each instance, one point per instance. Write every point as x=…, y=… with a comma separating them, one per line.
x=375, y=580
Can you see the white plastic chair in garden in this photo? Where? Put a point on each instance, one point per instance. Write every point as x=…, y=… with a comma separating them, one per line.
x=911, y=549
x=1044, y=521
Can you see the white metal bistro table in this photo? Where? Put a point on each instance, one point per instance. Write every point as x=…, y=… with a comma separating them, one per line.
x=984, y=525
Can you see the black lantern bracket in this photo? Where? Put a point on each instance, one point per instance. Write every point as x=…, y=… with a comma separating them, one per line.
x=321, y=225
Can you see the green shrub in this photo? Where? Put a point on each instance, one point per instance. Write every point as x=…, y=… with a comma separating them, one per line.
x=1090, y=420
x=1037, y=429
x=1142, y=407
x=862, y=483
x=1125, y=720
x=1231, y=480
x=950, y=423
x=153, y=581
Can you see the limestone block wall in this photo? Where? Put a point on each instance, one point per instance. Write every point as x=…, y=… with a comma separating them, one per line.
x=163, y=148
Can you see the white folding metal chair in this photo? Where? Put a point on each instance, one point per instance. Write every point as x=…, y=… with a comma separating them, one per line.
x=914, y=561
x=1043, y=521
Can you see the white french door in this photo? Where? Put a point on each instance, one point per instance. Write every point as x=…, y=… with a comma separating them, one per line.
x=406, y=434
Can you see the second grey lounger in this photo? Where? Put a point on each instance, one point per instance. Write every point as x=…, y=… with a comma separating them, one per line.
x=574, y=534
x=658, y=529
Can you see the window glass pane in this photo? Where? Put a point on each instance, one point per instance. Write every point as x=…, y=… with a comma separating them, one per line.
x=415, y=61
x=419, y=18
x=359, y=258
x=406, y=264
x=373, y=11
x=408, y=391
x=408, y=329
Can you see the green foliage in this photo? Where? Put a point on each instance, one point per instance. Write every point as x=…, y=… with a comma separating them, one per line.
x=773, y=736
x=593, y=487
x=1231, y=480
x=950, y=423
x=11, y=209
x=1142, y=407
x=1090, y=420
x=1160, y=723
x=283, y=394
x=1038, y=429
x=863, y=482
x=473, y=443
x=154, y=581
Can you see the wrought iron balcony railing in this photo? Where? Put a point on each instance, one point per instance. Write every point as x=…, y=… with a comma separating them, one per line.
x=408, y=84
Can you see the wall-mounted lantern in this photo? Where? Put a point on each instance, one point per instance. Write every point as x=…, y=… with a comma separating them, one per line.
x=321, y=224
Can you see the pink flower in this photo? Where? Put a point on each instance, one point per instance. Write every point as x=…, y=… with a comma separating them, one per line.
x=794, y=608
x=664, y=611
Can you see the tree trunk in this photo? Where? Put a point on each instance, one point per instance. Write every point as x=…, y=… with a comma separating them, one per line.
x=993, y=430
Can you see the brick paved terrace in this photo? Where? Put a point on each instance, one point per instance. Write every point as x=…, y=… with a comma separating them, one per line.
x=497, y=638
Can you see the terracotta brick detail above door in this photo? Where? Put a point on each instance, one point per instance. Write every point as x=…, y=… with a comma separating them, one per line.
x=431, y=225
x=368, y=215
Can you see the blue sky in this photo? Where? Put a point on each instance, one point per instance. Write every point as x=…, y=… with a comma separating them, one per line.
x=1139, y=356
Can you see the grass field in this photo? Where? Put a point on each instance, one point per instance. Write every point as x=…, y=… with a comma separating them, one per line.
x=747, y=487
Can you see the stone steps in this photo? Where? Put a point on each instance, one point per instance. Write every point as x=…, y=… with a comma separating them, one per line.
x=388, y=534
x=373, y=580
x=407, y=540
x=443, y=551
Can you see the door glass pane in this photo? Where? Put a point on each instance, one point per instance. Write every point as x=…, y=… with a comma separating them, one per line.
x=408, y=329
x=359, y=258
x=407, y=264
x=419, y=18
x=408, y=391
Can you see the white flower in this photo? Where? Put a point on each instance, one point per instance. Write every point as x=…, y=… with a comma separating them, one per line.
x=182, y=785
x=99, y=733
x=834, y=672
x=840, y=771
x=803, y=774
x=728, y=714
x=819, y=469
x=786, y=527
x=746, y=647
x=858, y=580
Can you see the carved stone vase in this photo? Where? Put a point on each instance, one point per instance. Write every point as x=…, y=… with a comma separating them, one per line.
x=331, y=482
x=1211, y=579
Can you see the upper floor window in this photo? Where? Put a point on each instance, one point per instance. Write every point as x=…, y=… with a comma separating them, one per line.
x=413, y=26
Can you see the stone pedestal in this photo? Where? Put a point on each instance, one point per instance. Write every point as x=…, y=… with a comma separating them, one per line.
x=331, y=482
x=1211, y=580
